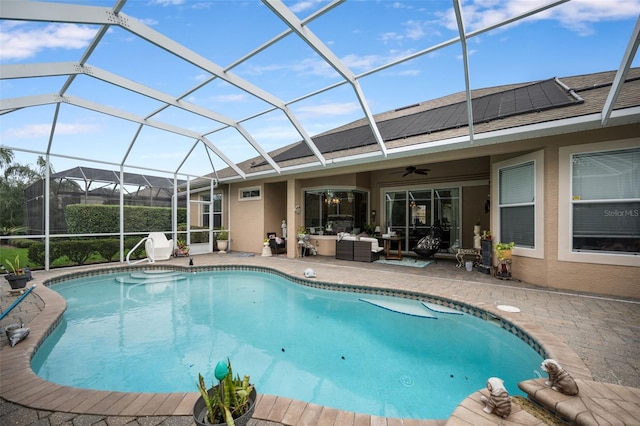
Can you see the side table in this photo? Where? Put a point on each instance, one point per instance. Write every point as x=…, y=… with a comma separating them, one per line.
x=387, y=248
x=468, y=253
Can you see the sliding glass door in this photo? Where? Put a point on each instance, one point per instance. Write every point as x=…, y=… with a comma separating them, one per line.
x=410, y=213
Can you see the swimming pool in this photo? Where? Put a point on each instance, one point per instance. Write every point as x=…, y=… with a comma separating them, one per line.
x=310, y=344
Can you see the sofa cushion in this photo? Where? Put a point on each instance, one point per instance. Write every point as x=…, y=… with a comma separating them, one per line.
x=374, y=241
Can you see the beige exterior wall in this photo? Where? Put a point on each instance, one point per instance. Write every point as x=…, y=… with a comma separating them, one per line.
x=616, y=280
x=469, y=168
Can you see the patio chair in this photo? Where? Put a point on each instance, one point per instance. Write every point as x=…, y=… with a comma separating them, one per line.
x=429, y=245
x=158, y=247
x=277, y=244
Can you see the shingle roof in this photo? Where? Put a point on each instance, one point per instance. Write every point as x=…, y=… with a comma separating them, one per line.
x=536, y=97
x=495, y=108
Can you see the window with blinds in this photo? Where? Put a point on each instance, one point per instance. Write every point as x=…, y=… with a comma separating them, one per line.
x=605, y=201
x=517, y=204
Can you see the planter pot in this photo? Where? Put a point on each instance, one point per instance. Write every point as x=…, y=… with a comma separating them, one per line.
x=200, y=411
x=222, y=245
x=503, y=254
x=17, y=281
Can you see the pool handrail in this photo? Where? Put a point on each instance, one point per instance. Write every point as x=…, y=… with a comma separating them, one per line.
x=17, y=301
x=129, y=262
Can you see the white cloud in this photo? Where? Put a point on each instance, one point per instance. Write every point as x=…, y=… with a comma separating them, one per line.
x=576, y=15
x=303, y=5
x=167, y=2
x=408, y=73
x=390, y=36
x=25, y=41
x=414, y=30
x=400, y=5
x=32, y=131
x=328, y=109
x=241, y=97
x=149, y=21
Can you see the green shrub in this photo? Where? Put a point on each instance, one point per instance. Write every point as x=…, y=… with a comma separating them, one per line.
x=23, y=242
x=107, y=247
x=93, y=219
x=36, y=253
x=77, y=251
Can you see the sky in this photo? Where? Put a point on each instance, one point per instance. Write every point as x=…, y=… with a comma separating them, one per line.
x=577, y=37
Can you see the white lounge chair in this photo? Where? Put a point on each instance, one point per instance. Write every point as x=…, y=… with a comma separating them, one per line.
x=158, y=247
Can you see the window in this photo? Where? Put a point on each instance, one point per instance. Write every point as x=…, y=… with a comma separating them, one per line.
x=217, y=210
x=605, y=201
x=329, y=211
x=599, y=203
x=249, y=194
x=518, y=184
x=517, y=204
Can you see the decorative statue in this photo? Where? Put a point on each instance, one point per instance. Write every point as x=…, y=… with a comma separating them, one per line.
x=498, y=401
x=559, y=379
x=477, y=244
x=284, y=229
x=16, y=333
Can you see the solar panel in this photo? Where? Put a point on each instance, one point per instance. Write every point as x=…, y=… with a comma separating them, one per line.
x=534, y=97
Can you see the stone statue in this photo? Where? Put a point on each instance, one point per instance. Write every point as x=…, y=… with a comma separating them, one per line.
x=477, y=244
x=284, y=229
x=498, y=402
x=559, y=379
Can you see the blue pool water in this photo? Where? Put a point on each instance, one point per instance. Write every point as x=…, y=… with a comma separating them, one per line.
x=314, y=345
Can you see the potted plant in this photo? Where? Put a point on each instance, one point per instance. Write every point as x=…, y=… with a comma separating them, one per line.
x=503, y=250
x=476, y=227
x=222, y=240
x=18, y=277
x=231, y=402
x=369, y=228
x=302, y=231
x=183, y=248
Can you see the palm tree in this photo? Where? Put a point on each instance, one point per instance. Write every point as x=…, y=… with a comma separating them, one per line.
x=14, y=178
x=6, y=157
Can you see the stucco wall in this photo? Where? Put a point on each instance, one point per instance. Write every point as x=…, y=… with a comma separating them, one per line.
x=251, y=220
x=623, y=281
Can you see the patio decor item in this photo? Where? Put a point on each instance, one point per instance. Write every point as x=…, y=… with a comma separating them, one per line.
x=158, y=247
x=18, y=277
x=222, y=240
x=231, y=402
x=503, y=253
x=559, y=379
x=429, y=245
x=406, y=261
x=16, y=333
x=498, y=401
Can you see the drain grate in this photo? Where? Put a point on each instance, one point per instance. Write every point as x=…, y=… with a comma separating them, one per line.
x=407, y=381
x=537, y=411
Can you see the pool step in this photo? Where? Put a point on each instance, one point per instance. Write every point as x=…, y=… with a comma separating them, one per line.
x=406, y=307
x=153, y=276
x=412, y=307
x=153, y=273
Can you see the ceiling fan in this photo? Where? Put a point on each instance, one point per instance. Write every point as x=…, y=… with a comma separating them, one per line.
x=412, y=169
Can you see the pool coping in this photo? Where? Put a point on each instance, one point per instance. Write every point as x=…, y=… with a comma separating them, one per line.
x=22, y=386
